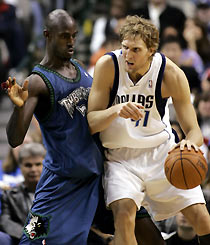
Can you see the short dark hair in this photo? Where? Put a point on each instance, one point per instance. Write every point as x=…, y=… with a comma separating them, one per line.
x=170, y=39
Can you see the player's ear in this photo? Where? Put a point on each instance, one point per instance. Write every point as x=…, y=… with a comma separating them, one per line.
x=151, y=51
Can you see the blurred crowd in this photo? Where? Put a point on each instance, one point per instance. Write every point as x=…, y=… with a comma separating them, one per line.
x=184, y=28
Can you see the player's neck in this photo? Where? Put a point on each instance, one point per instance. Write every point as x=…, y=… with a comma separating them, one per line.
x=136, y=76
x=55, y=64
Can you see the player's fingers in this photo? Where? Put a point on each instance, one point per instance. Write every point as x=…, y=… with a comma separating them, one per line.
x=12, y=81
x=135, y=111
x=25, y=85
x=125, y=112
x=195, y=147
x=189, y=145
x=184, y=143
x=139, y=106
x=9, y=79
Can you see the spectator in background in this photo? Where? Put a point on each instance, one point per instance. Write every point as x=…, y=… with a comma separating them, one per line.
x=111, y=43
x=189, y=57
x=202, y=104
x=171, y=47
x=10, y=173
x=202, y=13
x=205, y=81
x=106, y=25
x=12, y=33
x=195, y=34
x=161, y=14
x=17, y=201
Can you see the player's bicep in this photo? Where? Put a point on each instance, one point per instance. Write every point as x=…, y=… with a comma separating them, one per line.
x=36, y=89
x=102, y=83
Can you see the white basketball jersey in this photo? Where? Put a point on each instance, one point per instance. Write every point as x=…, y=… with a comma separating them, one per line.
x=154, y=128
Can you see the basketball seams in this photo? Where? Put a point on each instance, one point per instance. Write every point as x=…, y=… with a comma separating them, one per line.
x=183, y=173
x=171, y=171
x=192, y=164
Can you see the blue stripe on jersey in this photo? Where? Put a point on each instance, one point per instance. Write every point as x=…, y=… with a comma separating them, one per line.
x=160, y=102
x=116, y=79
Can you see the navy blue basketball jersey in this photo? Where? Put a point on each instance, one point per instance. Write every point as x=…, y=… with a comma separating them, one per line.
x=71, y=150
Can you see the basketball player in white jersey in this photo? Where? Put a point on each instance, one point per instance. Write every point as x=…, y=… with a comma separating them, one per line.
x=128, y=107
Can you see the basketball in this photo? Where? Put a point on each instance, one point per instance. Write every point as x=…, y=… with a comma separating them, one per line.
x=185, y=169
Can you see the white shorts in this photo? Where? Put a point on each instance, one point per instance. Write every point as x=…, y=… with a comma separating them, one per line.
x=138, y=174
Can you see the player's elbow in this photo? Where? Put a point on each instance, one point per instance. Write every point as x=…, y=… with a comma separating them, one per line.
x=13, y=140
x=14, y=143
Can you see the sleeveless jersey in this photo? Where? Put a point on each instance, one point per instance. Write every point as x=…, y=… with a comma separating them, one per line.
x=154, y=128
x=71, y=150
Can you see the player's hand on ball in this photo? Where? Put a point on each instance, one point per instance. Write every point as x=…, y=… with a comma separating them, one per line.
x=186, y=143
x=17, y=94
x=131, y=110
x=189, y=145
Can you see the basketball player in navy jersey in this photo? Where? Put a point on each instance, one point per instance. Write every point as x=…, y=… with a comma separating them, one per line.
x=57, y=92
x=128, y=106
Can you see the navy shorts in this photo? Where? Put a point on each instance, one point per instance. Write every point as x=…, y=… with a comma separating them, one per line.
x=63, y=210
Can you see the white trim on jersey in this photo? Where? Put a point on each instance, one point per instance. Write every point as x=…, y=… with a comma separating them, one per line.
x=153, y=129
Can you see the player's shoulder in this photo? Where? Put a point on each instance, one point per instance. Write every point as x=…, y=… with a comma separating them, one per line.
x=171, y=67
x=105, y=62
x=80, y=63
x=36, y=84
x=172, y=72
x=172, y=78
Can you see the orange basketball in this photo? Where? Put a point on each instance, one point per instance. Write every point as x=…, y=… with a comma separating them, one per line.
x=185, y=169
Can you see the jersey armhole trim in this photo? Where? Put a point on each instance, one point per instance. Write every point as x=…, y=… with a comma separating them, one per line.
x=160, y=102
x=113, y=92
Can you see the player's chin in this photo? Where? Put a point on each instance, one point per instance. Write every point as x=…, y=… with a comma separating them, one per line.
x=67, y=57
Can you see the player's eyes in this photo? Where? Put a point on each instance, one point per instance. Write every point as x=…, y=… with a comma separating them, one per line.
x=136, y=50
x=74, y=35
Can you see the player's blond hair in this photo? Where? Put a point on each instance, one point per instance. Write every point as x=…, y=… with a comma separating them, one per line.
x=137, y=26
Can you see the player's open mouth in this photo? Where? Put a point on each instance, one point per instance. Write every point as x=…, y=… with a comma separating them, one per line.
x=70, y=50
x=129, y=63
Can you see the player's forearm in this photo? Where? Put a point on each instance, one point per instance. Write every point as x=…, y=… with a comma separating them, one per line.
x=100, y=120
x=16, y=127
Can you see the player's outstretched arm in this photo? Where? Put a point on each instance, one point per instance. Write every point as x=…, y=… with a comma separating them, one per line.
x=25, y=99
